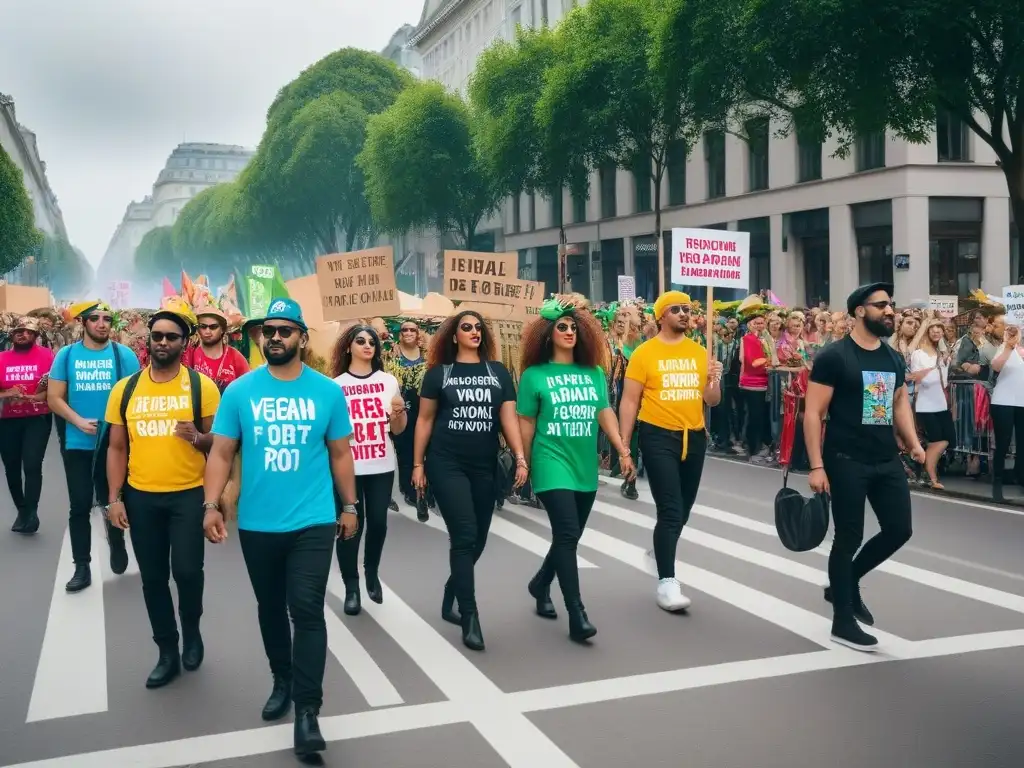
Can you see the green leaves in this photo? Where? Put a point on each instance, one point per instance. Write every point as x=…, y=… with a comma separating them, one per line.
x=19, y=237
x=67, y=271
x=155, y=258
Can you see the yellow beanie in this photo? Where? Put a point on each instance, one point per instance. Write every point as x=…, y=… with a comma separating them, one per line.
x=670, y=299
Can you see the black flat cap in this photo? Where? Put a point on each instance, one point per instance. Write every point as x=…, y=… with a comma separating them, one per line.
x=860, y=295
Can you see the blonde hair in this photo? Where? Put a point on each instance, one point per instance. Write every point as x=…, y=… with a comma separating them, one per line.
x=922, y=336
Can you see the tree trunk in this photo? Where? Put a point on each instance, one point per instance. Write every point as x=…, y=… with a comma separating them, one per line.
x=1014, y=173
x=659, y=172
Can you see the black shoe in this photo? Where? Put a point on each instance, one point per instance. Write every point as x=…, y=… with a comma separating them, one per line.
x=541, y=592
x=860, y=611
x=472, y=635
x=167, y=668
x=118, y=555
x=31, y=523
x=628, y=491
x=19, y=521
x=353, y=602
x=280, y=700
x=192, y=649
x=373, y=588
x=308, y=739
x=393, y=505
x=848, y=632
x=580, y=628
x=81, y=579
x=421, y=510
x=448, y=612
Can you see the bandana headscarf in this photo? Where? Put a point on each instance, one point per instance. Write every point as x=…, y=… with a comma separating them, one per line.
x=670, y=299
x=554, y=309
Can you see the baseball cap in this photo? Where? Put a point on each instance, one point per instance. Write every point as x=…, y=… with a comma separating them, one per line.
x=26, y=323
x=860, y=295
x=286, y=309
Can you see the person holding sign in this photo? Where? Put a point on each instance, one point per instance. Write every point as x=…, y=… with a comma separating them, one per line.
x=1008, y=407
x=376, y=409
x=563, y=400
x=668, y=381
x=466, y=398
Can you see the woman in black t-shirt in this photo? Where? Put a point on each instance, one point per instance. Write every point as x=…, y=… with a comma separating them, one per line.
x=466, y=398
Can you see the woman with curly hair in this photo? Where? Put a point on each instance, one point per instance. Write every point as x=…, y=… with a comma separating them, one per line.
x=466, y=398
x=377, y=410
x=562, y=402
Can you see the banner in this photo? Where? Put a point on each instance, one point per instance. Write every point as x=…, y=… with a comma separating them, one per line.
x=489, y=277
x=627, y=287
x=714, y=257
x=1013, y=299
x=358, y=284
x=945, y=306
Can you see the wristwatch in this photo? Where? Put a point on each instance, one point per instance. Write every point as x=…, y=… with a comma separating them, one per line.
x=208, y=505
x=348, y=509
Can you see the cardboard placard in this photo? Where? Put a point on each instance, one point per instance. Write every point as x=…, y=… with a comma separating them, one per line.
x=358, y=284
x=487, y=311
x=944, y=306
x=1013, y=300
x=488, y=277
x=627, y=287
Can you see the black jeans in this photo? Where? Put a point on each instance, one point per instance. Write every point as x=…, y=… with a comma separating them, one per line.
x=568, y=512
x=288, y=573
x=82, y=491
x=1007, y=420
x=465, y=498
x=851, y=483
x=759, y=427
x=403, y=453
x=23, y=443
x=373, y=494
x=167, y=536
x=674, y=483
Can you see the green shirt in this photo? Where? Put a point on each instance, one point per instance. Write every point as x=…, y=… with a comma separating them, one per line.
x=564, y=400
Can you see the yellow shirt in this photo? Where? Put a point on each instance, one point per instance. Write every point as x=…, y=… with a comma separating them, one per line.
x=673, y=377
x=158, y=461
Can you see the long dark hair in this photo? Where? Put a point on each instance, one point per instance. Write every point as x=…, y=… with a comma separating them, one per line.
x=341, y=358
x=590, y=350
x=443, y=348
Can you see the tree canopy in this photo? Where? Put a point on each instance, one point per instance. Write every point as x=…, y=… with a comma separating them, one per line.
x=19, y=237
x=66, y=270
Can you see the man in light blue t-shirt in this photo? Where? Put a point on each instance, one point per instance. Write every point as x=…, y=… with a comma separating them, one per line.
x=292, y=426
x=80, y=382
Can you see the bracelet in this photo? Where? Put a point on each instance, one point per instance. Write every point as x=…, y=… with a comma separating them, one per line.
x=195, y=439
x=211, y=505
x=417, y=466
x=348, y=509
x=815, y=469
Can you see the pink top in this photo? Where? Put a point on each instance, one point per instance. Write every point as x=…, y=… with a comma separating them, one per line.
x=751, y=377
x=24, y=369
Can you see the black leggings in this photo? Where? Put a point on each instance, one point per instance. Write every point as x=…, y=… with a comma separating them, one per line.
x=23, y=443
x=759, y=427
x=568, y=512
x=465, y=498
x=373, y=494
x=1007, y=420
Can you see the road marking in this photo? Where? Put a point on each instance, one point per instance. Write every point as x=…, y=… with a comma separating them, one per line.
x=501, y=528
x=519, y=742
x=71, y=678
x=358, y=664
x=964, y=563
x=789, y=617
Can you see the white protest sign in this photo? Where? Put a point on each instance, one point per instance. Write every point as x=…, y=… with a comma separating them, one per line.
x=1013, y=299
x=712, y=257
x=627, y=287
x=945, y=306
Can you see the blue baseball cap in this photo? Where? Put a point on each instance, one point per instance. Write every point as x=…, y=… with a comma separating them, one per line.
x=286, y=309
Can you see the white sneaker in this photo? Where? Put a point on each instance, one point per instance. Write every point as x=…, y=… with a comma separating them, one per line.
x=671, y=597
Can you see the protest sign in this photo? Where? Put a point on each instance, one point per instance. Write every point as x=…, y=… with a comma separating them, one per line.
x=358, y=284
x=489, y=277
x=944, y=306
x=627, y=287
x=1013, y=299
x=712, y=257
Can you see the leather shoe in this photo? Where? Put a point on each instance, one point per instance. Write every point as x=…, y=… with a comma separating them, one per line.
x=448, y=612
x=280, y=699
x=81, y=579
x=167, y=668
x=353, y=601
x=472, y=635
x=118, y=554
x=31, y=523
x=192, y=650
x=541, y=592
x=19, y=522
x=580, y=628
x=373, y=588
x=308, y=739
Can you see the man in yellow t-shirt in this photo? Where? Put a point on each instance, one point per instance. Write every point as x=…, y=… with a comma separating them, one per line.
x=669, y=380
x=159, y=421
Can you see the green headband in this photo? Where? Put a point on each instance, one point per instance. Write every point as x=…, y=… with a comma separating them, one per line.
x=553, y=309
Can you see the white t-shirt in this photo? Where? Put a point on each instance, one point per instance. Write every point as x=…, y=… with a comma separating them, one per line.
x=1009, y=388
x=930, y=395
x=369, y=403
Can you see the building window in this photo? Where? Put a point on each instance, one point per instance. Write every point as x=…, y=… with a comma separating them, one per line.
x=675, y=168
x=516, y=17
x=579, y=209
x=642, y=182
x=609, y=205
x=951, y=137
x=543, y=13
x=714, y=157
x=517, y=222
x=808, y=158
x=556, y=208
x=757, y=153
x=955, y=265
x=532, y=212
x=870, y=150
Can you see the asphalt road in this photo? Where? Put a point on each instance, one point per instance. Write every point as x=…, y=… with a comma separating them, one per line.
x=747, y=679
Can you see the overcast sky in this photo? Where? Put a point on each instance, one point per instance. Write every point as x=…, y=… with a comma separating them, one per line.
x=110, y=87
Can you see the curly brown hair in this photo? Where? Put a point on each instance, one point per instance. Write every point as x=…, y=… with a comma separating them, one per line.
x=590, y=350
x=341, y=356
x=443, y=349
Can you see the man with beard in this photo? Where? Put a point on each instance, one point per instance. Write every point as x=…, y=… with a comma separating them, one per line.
x=293, y=428
x=214, y=357
x=80, y=382
x=159, y=419
x=860, y=384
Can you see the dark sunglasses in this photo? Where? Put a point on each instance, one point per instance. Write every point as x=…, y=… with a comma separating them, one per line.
x=469, y=327
x=566, y=327
x=409, y=330
x=678, y=309
x=362, y=341
x=159, y=336
x=269, y=331
x=209, y=326
x=98, y=318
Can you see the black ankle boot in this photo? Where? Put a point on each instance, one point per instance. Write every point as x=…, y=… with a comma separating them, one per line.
x=280, y=699
x=540, y=590
x=472, y=635
x=167, y=668
x=192, y=649
x=19, y=522
x=118, y=553
x=308, y=739
x=81, y=579
x=31, y=522
x=373, y=588
x=448, y=612
x=353, y=601
x=580, y=628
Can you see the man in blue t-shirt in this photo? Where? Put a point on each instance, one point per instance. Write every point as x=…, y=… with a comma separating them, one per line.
x=293, y=428
x=80, y=382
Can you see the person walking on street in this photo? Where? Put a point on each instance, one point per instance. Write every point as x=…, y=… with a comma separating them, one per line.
x=409, y=366
x=82, y=376
x=668, y=382
x=214, y=357
x=25, y=422
x=292, y=426
x=859, y=383
x=159, y=420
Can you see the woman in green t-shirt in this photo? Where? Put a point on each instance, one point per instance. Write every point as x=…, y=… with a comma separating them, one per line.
x=563, y=400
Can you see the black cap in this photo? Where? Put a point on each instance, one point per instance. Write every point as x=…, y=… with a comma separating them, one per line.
x=186, y=329
x=860, y=295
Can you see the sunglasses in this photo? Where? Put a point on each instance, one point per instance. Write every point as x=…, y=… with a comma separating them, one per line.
x=566, y=327
x=470, y=327
x=363, y=341
x=269, y=331
x=98, y=318
x=409, y=330
x=159, y=336
x=678, y=309
x=209, y=326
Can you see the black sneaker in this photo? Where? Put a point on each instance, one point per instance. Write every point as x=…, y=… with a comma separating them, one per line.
x=421, y=510
x=848, y=632
x=860, y=611
x=628, y=491
x=118, y=555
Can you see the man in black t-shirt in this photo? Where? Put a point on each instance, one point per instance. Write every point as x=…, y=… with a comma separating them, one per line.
x=860, y=383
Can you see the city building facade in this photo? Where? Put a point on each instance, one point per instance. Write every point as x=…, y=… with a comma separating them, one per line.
x=935, y=218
